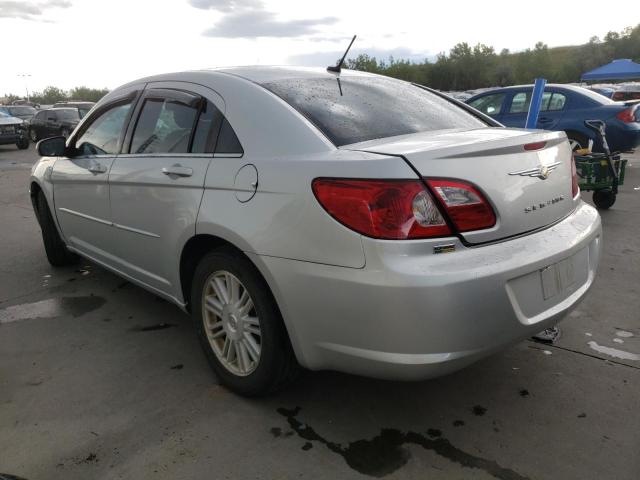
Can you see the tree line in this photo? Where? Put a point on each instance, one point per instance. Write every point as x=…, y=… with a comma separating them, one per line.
x=51, y=95
x=468, y=67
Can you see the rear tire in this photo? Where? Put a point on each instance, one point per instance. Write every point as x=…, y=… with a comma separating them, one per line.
x=604, y=199
x=267, y=368
x=56, y=250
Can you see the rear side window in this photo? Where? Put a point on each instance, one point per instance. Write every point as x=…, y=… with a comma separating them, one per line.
x=164, y=126
x=227, y=140
x=489, y=104
x=364, y=108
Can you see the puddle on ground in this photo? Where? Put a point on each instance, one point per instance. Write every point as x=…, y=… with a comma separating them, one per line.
x=624, y=333
x=385, y=453
x=50, y=308
x=614, y=352
x=151, y=328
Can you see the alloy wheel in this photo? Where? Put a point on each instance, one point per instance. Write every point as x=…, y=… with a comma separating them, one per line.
x=231, y=323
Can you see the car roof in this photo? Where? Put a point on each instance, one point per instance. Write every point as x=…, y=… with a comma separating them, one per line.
x=262, y=74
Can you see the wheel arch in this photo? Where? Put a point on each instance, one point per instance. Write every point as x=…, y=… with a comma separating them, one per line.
x=199, y=245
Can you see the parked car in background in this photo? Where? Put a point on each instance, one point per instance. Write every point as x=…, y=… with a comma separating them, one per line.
x=83, y=107
x=369, y=225
x=25, y=103
x=23, y=112
x=12, y=130
x=606, y=91
x=565, y=107
x=626, y=94
x=52, y=122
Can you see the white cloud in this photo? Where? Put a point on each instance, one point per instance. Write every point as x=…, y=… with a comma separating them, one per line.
x=29, y=10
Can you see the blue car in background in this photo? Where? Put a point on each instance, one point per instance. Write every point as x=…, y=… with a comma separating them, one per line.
x=565, y=107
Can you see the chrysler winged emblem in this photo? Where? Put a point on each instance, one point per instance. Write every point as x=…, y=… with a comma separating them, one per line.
x=541, y=171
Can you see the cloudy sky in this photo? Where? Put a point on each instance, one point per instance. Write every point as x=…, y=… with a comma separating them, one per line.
x=104, y=44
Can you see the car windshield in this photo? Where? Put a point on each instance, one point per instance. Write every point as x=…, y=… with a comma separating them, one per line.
x=361, y=108
x=23, y=110
x=70, y=114
x=2, y=114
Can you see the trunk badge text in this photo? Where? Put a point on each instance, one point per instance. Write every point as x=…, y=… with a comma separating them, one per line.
x=541, y=171
x=541, y=205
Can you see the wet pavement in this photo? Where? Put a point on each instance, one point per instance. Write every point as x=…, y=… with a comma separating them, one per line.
x=100, y=379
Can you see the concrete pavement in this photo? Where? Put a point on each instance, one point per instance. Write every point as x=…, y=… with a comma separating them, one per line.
x=102, y=380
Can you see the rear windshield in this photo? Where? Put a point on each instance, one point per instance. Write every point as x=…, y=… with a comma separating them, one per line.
x=70, y=114
x=365, y=108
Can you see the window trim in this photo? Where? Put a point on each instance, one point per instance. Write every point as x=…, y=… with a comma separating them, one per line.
x=133, y=97
x=162, y=93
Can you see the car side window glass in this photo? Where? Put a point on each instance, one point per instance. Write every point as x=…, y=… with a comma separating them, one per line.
x=228, y=140
x=103, y=134
x=51, y=116
x=164, y=126
x=521, y=101
x=489, y=104
x=557, y=102
x=208, y=122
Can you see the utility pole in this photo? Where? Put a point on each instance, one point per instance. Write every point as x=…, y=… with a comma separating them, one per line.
x=26, y=86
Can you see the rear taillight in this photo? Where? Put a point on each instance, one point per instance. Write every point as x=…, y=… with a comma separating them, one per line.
x=627, y=115
x=386, y=209
x=466, y=206
x=575, y=188
x=535, y=146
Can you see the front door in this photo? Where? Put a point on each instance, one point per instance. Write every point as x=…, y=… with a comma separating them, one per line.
x=157, y=183
x=80, y=181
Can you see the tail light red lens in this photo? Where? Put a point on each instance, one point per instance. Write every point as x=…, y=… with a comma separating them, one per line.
x=627, y=115
x=575, y=188
x=535, y=146
x=385, y=209
x=466, y=206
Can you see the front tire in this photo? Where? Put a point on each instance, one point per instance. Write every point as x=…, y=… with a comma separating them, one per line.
x=54, y=247
x=33, y=135
x=23, y=143
x=239, y=325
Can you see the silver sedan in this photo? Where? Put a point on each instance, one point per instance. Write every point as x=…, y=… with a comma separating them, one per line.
x=329, y=220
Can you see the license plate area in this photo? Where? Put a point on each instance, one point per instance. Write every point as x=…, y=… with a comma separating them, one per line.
x=557, y=278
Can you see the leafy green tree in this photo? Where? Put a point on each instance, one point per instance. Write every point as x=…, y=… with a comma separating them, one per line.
x=87, y=94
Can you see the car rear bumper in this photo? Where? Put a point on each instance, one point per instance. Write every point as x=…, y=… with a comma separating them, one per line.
x=411, y=314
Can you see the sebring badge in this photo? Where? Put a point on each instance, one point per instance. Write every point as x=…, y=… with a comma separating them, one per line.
x=542, y=171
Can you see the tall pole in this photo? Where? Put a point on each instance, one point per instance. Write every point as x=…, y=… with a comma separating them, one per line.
x=26, y=86
x=536, y=103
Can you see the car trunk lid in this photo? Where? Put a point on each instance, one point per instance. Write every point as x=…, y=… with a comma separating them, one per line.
x=525, y=175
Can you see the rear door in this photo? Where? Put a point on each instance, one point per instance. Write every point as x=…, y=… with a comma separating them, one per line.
x=80, y=182
x=551, y=110
x=157, y=183
x=51, y=125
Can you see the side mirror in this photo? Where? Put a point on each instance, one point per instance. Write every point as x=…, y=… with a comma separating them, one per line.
x=52, y=147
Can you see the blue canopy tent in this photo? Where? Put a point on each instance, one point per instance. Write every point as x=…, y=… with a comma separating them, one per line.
x=621, y=69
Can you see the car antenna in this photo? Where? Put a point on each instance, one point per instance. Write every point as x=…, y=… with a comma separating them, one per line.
x=338, y=67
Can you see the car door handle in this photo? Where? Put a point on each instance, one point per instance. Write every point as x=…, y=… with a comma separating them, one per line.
x=178, y=171
x=545, y=119
x=97, y=168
